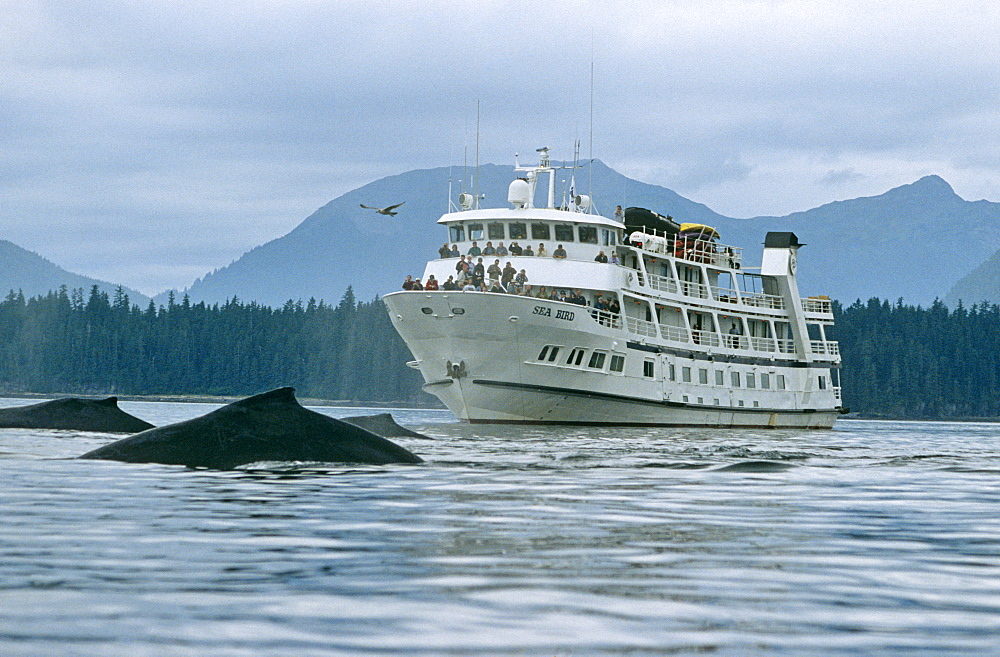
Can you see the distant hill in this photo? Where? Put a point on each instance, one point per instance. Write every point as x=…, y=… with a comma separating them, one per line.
x=915, y=241
x=981, y=284
x=28, y=272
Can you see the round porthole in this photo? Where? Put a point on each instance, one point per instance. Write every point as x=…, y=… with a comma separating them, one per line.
x=458, y=311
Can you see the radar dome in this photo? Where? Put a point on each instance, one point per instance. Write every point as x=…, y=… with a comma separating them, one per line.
x=518, y=192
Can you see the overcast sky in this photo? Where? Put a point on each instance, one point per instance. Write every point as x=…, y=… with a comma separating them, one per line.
x=148, y=142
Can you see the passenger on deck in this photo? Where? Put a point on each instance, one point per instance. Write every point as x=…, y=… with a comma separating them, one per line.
x=507, y=275
x=515, y=249
x=494, y=271
x=601, y=257
x=528, y=251
x=432, y=283
x=455, y=253
x=450, y=284
x=578, y=298
x=614, y=307
x=417, y=285
x=560, y=252
x=460, y=265
x=408, y=283
x=475, y=251
x=489, y=250
x=469, y=287
x=520, y=281
x=501, y=249
x=495, y=286
x=444, y=251
x=541, y=293
x=614, y=258
x=462, y=277
x=478, y=273
x=600, y=303
x=541, y=251
x=619, y=214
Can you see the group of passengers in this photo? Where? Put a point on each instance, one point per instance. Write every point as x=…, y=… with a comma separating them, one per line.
x=500, y=250
x=411, y=284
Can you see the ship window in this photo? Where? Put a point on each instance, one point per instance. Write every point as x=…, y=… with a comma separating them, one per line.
x=648, y=368
x=476, y=232
x=564, y=233
x=609, y=237
x=545, y=352
x=540, y=231
x=553, y=354
x=736, y=379
x=756, y=404
x=822, y=383
x=597, y=360
x=457, y=233
x=579, y=357
x=617, y=363
x=751, y=380
x=575, y=356
x=702, y=376
x=427, y=311
x=765, y=381
x=588, y=234
x=671, y=372
x=741, y=402
x=720, y=378
x=686, y=374
x=701, y=400
x=495, y=230
x=781, y=382
x=518, y=231
x=458, y=311
x=716, y=402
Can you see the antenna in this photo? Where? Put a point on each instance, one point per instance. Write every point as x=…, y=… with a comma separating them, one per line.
x=590, y=181
x=477, y=155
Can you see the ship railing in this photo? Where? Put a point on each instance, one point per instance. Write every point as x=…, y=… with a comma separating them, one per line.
x=708, y=252
x=641, y=327
x=696, y=290
x=828, y=347
x=725, y=294
x=762, y=344
x=605, y=318
x=688, y=248
x=706, y=338
x=816, y=305
x=786, y=346
x=674, y=333
x=663, y=283
x=761, y=300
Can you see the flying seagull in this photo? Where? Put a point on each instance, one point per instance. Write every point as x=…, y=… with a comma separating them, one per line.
x=386, y=211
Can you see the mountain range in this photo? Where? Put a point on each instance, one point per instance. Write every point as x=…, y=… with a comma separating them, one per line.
x=26, y=271
x=917, y=242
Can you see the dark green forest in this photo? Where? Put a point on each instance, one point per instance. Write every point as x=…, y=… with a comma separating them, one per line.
x=72, y=343
x=899, y=360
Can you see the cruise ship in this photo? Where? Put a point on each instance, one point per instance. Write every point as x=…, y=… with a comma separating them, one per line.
x=631, y=320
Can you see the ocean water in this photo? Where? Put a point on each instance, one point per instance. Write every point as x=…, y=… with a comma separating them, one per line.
x=875, y=538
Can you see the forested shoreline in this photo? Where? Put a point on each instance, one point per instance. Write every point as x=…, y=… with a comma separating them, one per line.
x=900, y=361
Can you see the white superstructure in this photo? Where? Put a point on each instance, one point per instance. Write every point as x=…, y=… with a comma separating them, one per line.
x=675, y=330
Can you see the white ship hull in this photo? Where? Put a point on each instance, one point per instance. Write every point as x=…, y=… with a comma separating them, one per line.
x=479, y=354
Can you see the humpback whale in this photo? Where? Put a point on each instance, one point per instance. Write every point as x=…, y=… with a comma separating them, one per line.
x=73, y=413
x=383, y=425
x=271, y=426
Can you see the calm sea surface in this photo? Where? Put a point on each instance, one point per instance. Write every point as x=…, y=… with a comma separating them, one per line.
x=876, y=538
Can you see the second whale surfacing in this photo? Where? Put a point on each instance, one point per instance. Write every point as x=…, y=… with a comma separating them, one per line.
x=272, y=426
x=102, y=415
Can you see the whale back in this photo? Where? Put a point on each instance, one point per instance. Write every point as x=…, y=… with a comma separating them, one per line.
x=73, y=413
x=271, y=426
